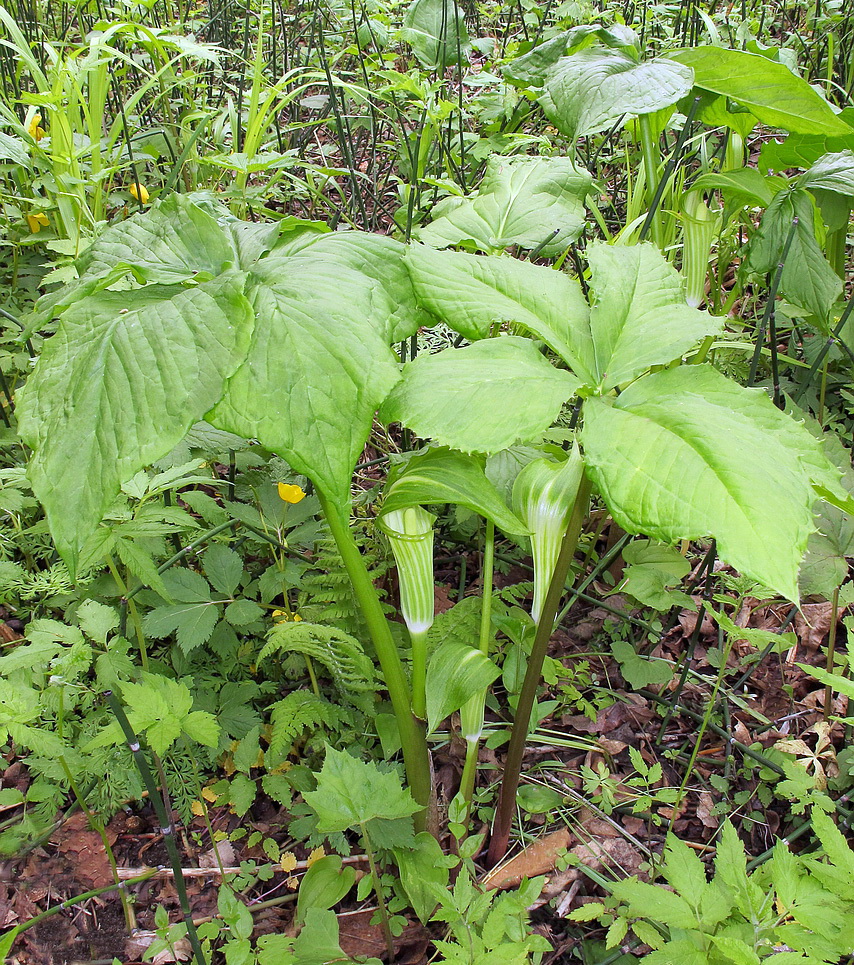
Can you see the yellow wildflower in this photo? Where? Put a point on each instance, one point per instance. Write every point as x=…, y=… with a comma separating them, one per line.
x=35, y=130
x=315, y=855
x=139, y=192
x=291, y=494
x=198, y=808
x=37, y=221
x=288, y=861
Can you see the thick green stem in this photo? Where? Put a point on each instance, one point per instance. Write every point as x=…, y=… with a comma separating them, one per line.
x=519, y=735
x=419, y=674
x=471, y=714
x=413, y=737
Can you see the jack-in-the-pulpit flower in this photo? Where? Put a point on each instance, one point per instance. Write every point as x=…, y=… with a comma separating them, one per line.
x=543, y=498
x=734, y=159
x=410, y=532
x=700, y=226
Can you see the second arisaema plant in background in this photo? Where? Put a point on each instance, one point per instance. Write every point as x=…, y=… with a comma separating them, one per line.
x=275, y=331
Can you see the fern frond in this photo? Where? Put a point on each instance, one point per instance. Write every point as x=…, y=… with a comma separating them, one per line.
x=295, y=714
x=327, y=596
x=514, y=595
x=461, y=622
x=342, y=655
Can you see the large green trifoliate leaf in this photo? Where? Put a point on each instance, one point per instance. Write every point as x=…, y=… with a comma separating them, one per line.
x=470, y=293
x=445, y=476
x=171, y=242
x=771, y=92
x=807, y=278
x=119, y=385
x=532, y=68
x=436, y=31
x=253, y=240
x=522, y=201
x=591, y=90
x=318, y=367
x=182, y=239
x=639, y=316
x=686, y=453
x=481, y=398
x=375, y=257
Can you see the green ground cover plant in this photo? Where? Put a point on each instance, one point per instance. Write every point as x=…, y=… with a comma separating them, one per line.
x=305, y=304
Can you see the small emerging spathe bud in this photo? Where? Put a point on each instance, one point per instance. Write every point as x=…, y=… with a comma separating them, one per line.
x=543, y=498
x=410, y=532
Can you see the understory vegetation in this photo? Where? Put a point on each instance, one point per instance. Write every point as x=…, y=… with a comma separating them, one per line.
x=425, y=482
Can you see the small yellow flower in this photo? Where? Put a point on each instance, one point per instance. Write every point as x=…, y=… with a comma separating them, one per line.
x=35, y=130
x=297, y=618
x=315, y=855
x=139, y=192
x=37, y=222
x=198, y=808
x=291, y=494
x=288, y=861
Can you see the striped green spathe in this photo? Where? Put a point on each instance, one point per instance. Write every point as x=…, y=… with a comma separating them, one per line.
x=410, y=532
x=543, y=496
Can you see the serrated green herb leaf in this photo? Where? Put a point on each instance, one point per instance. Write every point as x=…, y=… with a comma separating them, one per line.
x=350, y=793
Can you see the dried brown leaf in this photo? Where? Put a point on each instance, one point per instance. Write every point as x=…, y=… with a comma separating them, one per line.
x=537, y=859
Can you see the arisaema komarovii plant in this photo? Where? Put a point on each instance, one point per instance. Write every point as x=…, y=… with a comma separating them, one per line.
x=274, y=331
